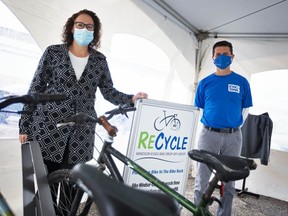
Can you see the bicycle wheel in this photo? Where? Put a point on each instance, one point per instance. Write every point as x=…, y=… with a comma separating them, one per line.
x=64, y=192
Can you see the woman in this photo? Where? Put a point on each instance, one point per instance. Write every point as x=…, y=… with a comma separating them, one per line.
x=74, y=68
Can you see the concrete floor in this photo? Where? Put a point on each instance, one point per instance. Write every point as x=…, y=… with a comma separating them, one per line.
x=245, y=205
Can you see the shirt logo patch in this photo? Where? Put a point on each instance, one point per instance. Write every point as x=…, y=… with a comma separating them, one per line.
x=233, y=88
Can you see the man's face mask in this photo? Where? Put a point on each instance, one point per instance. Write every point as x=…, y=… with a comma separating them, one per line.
x=82, y=36
x=223, y=61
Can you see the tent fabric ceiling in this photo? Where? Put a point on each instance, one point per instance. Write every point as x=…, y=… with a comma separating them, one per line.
x=257, y=18
x=258, y=29
x=45, y=20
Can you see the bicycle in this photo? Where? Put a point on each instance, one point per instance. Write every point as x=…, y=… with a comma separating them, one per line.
x=31, y=99
x=227, y=168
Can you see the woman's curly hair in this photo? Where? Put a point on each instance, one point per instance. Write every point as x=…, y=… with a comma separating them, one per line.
x=67, y=35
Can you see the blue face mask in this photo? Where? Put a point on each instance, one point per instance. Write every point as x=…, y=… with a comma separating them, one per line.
x=223, y=61
x=83, y=37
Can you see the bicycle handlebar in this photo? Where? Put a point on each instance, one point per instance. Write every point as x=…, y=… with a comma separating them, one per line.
x=120, y=110
x=81, y=118
x=33, y=98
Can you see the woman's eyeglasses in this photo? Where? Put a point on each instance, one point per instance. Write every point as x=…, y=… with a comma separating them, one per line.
x=81, y=25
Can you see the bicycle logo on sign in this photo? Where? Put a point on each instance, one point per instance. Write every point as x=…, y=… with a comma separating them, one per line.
x=170, y=121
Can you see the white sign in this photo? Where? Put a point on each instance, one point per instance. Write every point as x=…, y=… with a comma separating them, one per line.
x=161, y=136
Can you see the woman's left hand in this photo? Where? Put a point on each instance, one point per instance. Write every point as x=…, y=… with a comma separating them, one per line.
x=140, y=95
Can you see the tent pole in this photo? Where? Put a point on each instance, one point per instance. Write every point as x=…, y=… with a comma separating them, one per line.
x=197, y=67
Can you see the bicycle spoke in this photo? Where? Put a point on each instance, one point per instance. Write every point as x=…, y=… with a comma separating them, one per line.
x=64, y=192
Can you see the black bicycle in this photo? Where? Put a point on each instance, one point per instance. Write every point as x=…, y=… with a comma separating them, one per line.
x=226, y=168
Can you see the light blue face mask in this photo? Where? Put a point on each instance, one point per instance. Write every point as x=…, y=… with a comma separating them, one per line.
x=83, y=37
x=223, y=61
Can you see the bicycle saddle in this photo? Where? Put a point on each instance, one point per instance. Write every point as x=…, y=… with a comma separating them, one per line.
x=117, y=199
x=228, y=168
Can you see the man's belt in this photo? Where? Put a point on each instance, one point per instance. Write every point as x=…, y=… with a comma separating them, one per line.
x=222, y=130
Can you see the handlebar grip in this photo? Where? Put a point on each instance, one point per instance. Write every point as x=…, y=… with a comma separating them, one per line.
x=112, y=130
x=32, y=98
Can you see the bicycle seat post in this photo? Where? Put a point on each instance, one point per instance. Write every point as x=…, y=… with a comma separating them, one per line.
x=207, y=196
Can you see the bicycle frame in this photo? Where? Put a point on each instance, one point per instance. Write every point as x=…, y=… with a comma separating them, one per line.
x=107, y=160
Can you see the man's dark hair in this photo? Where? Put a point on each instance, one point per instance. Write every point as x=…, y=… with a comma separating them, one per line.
x=67, y=29
x=221, y=44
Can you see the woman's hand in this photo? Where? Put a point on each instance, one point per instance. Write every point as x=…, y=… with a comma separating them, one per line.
x=140, y=95
x=22, y=138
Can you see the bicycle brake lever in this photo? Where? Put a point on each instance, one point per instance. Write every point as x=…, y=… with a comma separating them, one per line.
x=125, y=109
x=120, y=110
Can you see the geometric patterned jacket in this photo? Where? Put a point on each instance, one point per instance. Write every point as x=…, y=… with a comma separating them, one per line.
x=55, y=74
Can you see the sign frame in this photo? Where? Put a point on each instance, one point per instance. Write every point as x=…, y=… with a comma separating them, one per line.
x=171, y=128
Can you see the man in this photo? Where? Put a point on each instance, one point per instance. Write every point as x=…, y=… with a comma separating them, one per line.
x=223, y=98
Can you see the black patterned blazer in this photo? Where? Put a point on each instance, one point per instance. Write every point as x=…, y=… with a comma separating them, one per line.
x=55, y=74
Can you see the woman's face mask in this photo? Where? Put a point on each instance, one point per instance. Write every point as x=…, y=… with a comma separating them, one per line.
x=83, y=37
x=223, y=61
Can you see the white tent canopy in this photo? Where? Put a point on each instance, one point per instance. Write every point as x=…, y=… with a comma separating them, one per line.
x=44, y=20
x=257, y=29
x=185, y=30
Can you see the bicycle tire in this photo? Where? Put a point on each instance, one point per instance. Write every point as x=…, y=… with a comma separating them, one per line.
x=63, y=191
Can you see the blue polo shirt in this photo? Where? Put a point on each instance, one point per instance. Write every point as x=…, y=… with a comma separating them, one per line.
x=222, y=99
